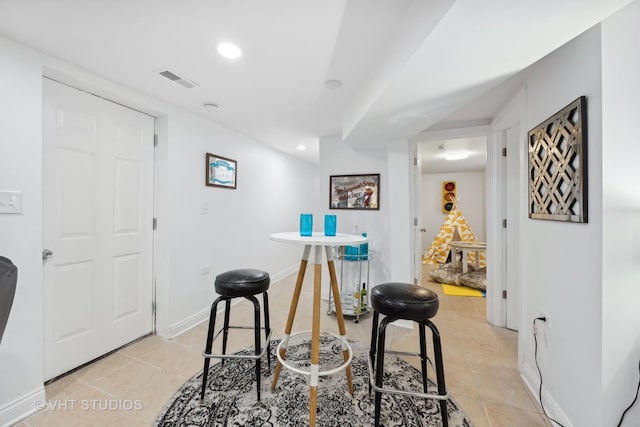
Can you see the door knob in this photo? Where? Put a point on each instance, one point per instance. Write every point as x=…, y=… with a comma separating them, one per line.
x=46, y=254
x=424, y=230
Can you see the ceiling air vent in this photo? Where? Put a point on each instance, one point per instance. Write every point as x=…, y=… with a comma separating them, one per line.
x=177, y=79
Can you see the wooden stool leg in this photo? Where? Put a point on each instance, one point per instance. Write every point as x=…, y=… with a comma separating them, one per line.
x=292, y=312
x=338, y=303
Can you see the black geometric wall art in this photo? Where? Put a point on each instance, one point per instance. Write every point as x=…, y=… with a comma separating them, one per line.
x=558, y=165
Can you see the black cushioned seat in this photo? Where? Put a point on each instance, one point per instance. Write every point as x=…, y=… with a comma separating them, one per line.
x=405, y=301
x=8, y=282
x=241, y=283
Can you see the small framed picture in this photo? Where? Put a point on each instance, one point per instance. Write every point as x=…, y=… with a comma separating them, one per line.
x=221, y=171
x=354, y=192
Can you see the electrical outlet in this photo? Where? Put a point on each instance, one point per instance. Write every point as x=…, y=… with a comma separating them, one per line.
x=547, y=317
x=204, y=269
x=543, y=328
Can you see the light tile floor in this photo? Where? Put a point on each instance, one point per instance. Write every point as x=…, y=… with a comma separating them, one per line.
x=480, y=365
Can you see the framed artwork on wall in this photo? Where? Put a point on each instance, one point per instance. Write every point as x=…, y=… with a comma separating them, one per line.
x=558, y=165
x=221, y=171
x=354, y=192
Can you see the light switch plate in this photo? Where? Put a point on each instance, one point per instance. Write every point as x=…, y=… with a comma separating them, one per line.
x=10, y=202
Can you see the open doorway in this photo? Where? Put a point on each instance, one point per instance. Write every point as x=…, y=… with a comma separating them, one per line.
x=452, y=195
x=461, y=161
x=501, y=197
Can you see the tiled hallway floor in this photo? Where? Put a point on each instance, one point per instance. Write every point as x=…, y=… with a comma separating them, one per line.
x=131, y=386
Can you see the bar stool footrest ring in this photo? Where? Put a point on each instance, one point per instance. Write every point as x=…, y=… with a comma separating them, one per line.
x=374, y=387
x=240, y=356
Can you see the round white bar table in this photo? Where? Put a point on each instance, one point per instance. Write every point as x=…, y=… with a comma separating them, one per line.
x=318, y=241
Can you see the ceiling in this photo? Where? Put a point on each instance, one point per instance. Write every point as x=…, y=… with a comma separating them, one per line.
x=405, y=65
x=433, y=155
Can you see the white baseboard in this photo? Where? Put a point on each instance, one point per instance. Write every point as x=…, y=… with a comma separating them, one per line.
x=202, y=316
x=532, y=381
x=286, y=272
x=22, y=407
x=188, y=323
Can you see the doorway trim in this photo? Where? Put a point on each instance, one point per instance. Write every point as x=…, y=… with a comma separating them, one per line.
x=498, y=202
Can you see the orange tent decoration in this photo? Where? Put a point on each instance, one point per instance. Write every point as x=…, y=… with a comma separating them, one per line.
x=454, y=227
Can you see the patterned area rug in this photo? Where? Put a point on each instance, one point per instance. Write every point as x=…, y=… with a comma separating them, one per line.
x=230, y=398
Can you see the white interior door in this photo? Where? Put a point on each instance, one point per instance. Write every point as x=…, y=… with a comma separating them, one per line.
x=98, y=213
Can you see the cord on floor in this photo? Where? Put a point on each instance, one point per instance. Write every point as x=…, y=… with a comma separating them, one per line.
x=535, y=340
x=632, y=403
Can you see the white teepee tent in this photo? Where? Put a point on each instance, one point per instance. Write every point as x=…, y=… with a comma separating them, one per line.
x=453, y=224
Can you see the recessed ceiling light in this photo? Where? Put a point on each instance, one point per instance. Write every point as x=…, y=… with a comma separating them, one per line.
x=229, y=50
x=332, y=84
x=301, y=147
x=456, y=155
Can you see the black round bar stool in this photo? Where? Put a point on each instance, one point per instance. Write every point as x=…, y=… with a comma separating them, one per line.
x=410, y=302
x=242, y=283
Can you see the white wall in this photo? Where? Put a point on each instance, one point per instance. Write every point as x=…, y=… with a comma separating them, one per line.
x=620, y=215
x=563, y=267
x=273, y=188
x=587, y=279
x=21, y=366
x=470, y=194
x=401, y=212
x=337, y=158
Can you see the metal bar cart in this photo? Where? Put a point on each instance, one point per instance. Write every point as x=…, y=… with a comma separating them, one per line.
x=354, y=280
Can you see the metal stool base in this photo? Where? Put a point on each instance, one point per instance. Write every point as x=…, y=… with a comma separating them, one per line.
x=259, y=348
x=376, y=365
